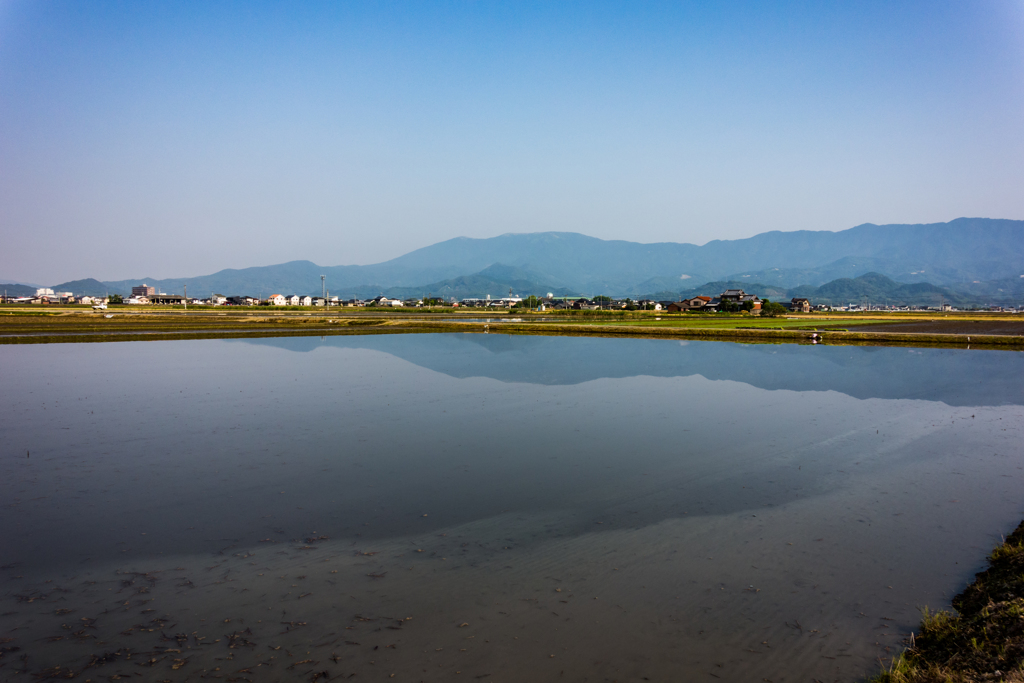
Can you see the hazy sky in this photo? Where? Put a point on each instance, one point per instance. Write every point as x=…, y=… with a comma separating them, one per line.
x=174, y=139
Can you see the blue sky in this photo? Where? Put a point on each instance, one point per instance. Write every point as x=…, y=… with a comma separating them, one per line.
x=173, y=139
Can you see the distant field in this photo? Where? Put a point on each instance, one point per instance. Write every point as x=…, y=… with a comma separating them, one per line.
x=22, y=324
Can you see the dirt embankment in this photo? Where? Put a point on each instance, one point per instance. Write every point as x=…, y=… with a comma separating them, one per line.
x=985, y=327
x=984, y=639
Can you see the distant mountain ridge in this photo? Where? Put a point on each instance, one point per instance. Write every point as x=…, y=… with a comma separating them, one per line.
x=13, y=289
x=962, y=254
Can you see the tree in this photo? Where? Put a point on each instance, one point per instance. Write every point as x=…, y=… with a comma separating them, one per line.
x=529, y=302
x=115, y=299
x=771, y=309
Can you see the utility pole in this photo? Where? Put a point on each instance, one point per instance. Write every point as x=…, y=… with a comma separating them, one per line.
x=323, y=288
x=186, y=297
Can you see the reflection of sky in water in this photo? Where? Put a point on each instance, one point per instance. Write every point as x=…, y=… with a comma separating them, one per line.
x=178, y=448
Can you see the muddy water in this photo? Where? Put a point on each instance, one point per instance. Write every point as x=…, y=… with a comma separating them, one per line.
x=470, y=507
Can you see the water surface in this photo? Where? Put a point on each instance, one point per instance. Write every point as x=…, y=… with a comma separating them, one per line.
x=500, y=508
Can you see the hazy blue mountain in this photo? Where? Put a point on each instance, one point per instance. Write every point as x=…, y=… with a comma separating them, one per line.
x=294, y=277
x=850, y=267
x=963, y=249
x=88, y=287
x=496, y=281
x=997, y=292
x=878, y=289
x=15, y=289
x=677, y=283
x=958, y=252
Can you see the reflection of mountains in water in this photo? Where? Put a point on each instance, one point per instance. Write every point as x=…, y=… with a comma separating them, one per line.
x=955, y=377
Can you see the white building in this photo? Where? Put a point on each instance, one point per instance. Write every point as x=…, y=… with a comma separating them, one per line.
x=277, y=300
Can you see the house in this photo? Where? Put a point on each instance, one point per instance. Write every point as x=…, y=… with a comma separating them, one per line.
x=585, y=305
x=218, y=299
x=293, y=300
x=137, y=300
x=800, y=305
x=166, y=299
x=695, y=303
x=305, y=301
x=738, y=296
x=277, y=300
x=45, y=295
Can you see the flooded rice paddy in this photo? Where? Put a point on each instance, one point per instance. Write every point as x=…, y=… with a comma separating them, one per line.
x=464, y=507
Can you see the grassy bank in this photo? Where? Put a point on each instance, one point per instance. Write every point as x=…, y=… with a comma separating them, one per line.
x=62, y=325
x=983, y=640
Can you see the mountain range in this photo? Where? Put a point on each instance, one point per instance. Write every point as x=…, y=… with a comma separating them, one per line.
x=967, y=260
x=875, y=373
